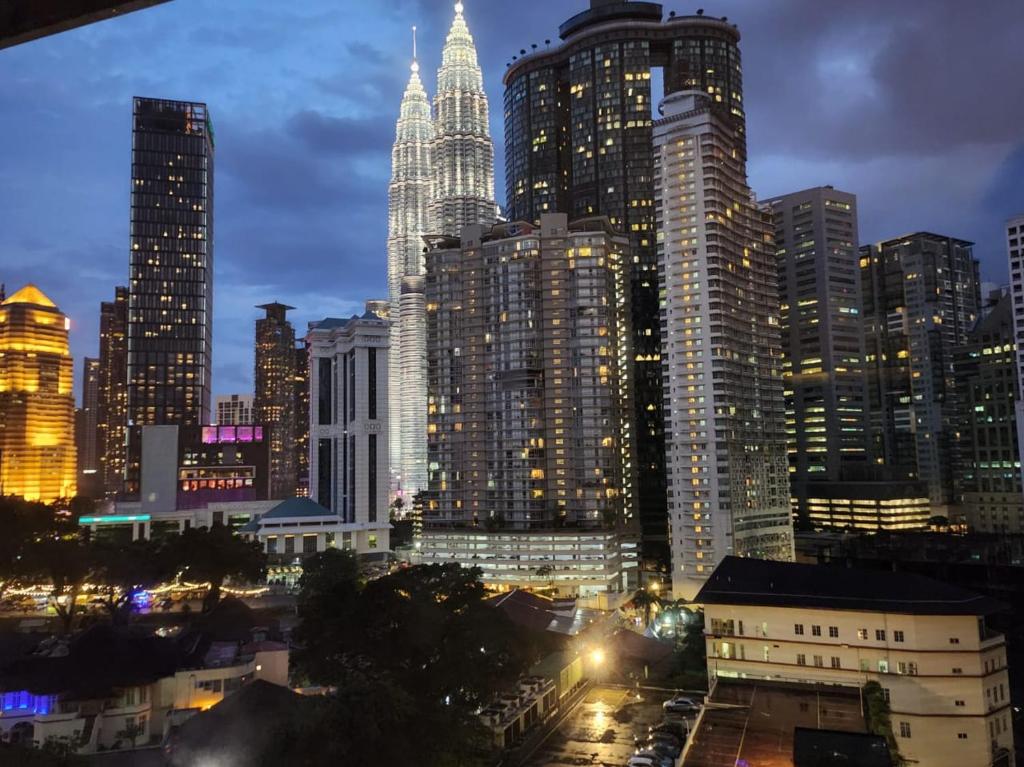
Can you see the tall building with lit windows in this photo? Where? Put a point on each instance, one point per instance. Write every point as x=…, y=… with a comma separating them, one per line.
x=462, y=152
x=87, y=430
x=235, y=409
x=170, y=306
x=1015, y=252
x=530, y=447
x=274, y=401
x=409, y=199
x=112, y=408
x=822, y=339
x=725, y=438
x=921, y=297
x=37, y=403
x=578, y=122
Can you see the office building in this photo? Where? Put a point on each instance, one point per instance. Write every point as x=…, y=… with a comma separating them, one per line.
x=274, y=404
x=235, y=409
x=87, y=430
x=822, y=339
x=986, y=456
x=170, y=310
x=409, y=197
x=725, y=439
x=942, y=669
x=462, y=153
x=300, y=395
x=921, y=296
x=190, y=467
x=529, y=428
x=112, y=409
x=37, y=402
x=1015, y=251
x=578, y=122
x=348, y=398
x=869, y=506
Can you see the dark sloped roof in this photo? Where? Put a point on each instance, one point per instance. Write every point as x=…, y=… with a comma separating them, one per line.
x=298, y=507
x=741, y=581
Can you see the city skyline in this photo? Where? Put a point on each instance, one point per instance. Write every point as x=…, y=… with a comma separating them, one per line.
x=285, y=217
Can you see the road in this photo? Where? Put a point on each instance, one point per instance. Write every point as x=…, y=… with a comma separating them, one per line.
x=600, y=731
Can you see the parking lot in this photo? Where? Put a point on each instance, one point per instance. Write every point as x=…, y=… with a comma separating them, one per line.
x=600, y=731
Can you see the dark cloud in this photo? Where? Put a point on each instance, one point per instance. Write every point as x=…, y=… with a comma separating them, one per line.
x=914, y=106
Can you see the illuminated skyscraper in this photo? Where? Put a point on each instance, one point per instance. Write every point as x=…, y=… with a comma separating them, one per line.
x=463, y=154
x=300, y=394
x=409, y=195
x=112, y=410
x=275, y=395
x=37, y=404
x=725, y=438
x=170, y=313
x=578, y=141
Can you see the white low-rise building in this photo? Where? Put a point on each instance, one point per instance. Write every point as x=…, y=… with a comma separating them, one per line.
x=942, y=670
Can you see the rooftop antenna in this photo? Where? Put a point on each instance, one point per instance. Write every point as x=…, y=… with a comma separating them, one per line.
x=415, y=64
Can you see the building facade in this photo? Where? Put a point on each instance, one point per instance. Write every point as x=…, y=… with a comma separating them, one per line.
x=822, y=339
x=348, y=397
x=530, y=443
x=725, y=439
x=578, y=140
x=1015, y=253
x=409, y=198
x=942, y=670
x=867, y=506
x=37, y=402
x=986, y=453
x=274, y=403
x=921, y=296
x=170, y=309
x=112, y=408
x=87, y=430
x=300, y=395
x=235, y=409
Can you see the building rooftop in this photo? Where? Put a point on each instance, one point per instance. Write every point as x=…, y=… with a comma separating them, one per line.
x=30, y=294
x=756, y=723
x=298, y=507
x=741, y=581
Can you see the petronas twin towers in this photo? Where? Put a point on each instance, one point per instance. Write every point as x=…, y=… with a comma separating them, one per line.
x=442, y=179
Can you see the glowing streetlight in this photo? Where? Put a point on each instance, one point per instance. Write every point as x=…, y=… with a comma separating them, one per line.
x=597, y=656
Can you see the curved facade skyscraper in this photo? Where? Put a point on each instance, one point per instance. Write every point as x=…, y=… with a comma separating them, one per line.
x=409, y=196
x=463, y=151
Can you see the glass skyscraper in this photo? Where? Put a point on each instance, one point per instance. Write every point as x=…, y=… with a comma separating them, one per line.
x=578, y=141
x=170, y=310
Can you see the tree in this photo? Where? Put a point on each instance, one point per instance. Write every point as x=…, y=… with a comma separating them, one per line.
x=421, y=644
x=214, y=556
x=878, y=717
x=645, y=600
x=23, y=523
x=132, y=732
x=66, y=564
x=124, y=570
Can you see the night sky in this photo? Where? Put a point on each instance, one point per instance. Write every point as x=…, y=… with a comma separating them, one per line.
x=914, y=105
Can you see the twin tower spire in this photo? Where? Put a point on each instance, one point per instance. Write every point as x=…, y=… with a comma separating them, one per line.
x=442, y=179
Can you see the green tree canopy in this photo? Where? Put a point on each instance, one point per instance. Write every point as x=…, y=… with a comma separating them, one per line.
x=215, y=555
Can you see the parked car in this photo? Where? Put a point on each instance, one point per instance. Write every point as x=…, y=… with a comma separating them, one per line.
x=641, y=761
x=666, y=745
x=651, y=759
x=681, y=705
x=679, y=728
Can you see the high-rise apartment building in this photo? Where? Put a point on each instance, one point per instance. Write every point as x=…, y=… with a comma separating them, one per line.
x=578, y=121
x=986, y=456
x=1015, y=252
x=725, y=439
x=530, y=440
x=921, y=296
x=274, y=404
x=170, y=311
x=822, y=339
x=462, y=153
x=348, y=397
x=409, y=197
x=112, y=409
x=234, y=409
x=37, y=402
x=87, y=430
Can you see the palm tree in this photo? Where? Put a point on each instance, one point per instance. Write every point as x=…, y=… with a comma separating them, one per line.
x=645, y=600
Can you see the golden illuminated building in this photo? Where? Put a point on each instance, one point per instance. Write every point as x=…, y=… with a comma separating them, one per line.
x=37, y=406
